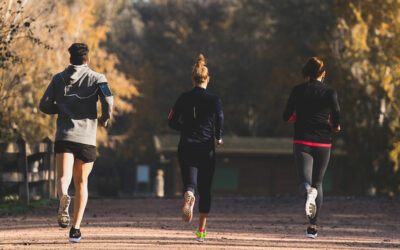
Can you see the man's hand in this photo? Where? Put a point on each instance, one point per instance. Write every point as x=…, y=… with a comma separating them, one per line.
x=219, y=142
x=101, y=122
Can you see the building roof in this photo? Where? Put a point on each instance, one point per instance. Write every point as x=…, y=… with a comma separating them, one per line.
x=167, y=143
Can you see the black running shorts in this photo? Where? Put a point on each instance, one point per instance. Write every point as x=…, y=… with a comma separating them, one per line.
x=83, y=152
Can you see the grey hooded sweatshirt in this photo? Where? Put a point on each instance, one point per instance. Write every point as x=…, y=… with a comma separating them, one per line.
x=73, y=95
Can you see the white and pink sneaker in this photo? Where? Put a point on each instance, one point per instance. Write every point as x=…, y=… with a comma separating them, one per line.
x=311, y=207
x=187, y=209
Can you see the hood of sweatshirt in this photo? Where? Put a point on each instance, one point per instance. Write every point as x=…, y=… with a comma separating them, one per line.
x=79, y=81
x=75, y=73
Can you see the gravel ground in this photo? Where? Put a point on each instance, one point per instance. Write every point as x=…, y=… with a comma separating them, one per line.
x=234, y=223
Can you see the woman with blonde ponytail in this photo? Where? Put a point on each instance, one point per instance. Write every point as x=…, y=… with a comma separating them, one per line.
x=198, y=115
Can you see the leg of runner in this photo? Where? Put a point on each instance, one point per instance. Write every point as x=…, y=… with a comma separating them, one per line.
x=81, y=174
x=304, y=164
x=202, y=220
x=312, y=163
x=321, y=160
x=64, y=163
x=201, y=232
x=189, y=172
x=205, y=177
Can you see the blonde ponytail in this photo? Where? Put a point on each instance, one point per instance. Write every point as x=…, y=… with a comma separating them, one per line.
x=200, y=71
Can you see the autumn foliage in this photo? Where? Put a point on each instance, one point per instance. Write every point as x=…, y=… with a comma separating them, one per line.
x=34, y=41
x=255, y=51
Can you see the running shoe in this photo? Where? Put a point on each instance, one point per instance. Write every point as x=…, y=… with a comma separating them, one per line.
x=312, y=232
x=187, y=209
x=201, y=236
x=63, y=215
x=74, y=235
x=311, y=207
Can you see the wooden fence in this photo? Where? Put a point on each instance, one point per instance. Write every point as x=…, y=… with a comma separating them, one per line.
x=22, y=171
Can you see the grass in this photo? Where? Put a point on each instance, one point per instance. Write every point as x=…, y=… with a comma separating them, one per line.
x=10, y=205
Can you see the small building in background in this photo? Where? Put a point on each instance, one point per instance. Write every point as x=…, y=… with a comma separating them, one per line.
x=248, y=166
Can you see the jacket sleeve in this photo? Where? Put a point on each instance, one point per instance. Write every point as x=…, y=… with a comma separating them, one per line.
x=47, y=103
x=106, y=100
x=288, y=113
x=335, y=109
x=219, y=119
x=174, y=118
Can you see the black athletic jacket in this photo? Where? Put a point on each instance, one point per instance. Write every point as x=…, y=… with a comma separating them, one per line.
x=316, y=110
x=198, y=115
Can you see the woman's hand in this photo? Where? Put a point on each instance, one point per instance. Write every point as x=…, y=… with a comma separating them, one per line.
x=292, y=119
x=335, y=130
x=220, y=142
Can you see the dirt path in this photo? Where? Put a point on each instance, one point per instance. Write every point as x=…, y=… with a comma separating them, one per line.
x=234, y=223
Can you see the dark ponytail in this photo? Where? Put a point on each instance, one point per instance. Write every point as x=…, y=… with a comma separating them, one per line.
x=314, y=68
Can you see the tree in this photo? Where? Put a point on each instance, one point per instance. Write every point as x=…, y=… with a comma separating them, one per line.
x=59, y=24
x=18, y=24
x=255, y=49
x=366, y=45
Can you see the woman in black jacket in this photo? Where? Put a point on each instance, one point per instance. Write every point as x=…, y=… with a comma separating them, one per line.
x=314, y=109
x=198, y=115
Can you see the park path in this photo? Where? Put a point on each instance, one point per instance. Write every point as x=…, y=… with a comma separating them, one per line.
x=234, y=223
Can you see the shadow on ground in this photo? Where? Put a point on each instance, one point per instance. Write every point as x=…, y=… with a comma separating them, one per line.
x=234, y=222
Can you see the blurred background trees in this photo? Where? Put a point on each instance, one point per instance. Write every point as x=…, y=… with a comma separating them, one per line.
x=255, y=51
x=18, y=80
x=34, y=41
x=365, y=44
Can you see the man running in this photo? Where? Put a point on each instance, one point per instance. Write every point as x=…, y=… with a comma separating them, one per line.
x=314, y=109
x=72, y=95
x=198, y=115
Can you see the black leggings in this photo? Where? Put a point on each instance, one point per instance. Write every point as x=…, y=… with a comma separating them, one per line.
x=311, y=164
x=197, y=169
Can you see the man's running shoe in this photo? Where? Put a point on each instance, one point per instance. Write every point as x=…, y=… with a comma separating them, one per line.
x=63, y=215
x=201, y=235
x=187, y=209
x=311, y=207
x=74, y=235
x=312, y=232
